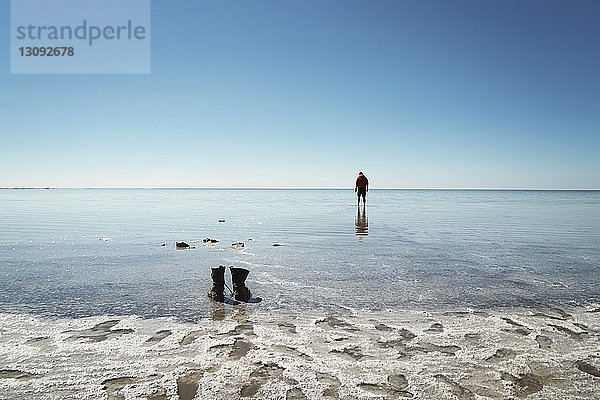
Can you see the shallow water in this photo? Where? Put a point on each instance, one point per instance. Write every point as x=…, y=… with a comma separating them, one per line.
x=78, y=253
x=422, y=294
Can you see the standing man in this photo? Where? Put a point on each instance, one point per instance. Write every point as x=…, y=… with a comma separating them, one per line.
x=362, y=187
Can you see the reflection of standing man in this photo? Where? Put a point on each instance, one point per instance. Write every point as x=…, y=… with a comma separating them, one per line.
x=362, y=222
x=362, y=187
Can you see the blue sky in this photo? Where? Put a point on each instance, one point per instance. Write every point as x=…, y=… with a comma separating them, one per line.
x=417, y=94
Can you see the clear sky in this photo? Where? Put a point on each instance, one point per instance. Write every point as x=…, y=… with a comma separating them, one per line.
x=417, y=94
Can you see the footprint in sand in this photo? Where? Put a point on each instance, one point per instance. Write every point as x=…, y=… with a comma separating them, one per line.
x=383, y=328
x=430, y=347
x=336, y=323
x=332, y=390
x=587, y=368
x=288, y=326
x=191, y=337
x=436, y=327
x=295, y=353
x=295, y=394
x=241, y=347
x=520, y=328
x=158, y=336
x=187, y=385
x=353, y=353
x=395, y=387
x=262, y=375
x=15, y=374
x=456, y=389
x=404, y=335
x=570, y=332
x=526, y=384
x=114, y=385
x=473, y=337
x=100, y=332
x=501, y=355
x=544, y=342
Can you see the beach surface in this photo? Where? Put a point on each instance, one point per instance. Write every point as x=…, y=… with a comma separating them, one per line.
x=241, y=352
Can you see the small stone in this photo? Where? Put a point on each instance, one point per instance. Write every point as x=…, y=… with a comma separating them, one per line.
x=277, y=244
x=162, y=244
x=182, y=245
x=209, y=240
x=221, y=220
x=238, y=245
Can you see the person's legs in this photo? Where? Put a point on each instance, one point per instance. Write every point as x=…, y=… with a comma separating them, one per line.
x=361, y=192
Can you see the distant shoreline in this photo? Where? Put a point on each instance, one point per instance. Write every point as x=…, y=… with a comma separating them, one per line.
x=301, y=188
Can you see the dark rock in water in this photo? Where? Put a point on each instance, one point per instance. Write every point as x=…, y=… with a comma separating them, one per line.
x=182, y=245
x=221, y=220
x=238, y=245
x=588, y=368
x=209, y=240
x=162, y=244
x=277, y=244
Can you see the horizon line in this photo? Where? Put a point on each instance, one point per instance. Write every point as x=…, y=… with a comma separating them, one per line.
x=282, y=188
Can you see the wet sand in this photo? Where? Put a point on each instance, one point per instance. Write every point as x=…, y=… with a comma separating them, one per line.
x=244, y=352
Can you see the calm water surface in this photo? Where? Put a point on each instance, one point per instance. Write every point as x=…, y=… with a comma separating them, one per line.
x=82, y=252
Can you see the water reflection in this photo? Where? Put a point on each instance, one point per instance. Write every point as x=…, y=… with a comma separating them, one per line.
x=218, y=311
x=361, y=222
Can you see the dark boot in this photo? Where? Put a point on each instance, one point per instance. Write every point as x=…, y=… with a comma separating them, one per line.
x=218, y=278
x=240, y=291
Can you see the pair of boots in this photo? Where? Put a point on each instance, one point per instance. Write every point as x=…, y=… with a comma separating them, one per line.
x=238, y=277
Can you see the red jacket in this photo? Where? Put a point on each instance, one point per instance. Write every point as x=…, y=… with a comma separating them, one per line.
x=362, y=181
